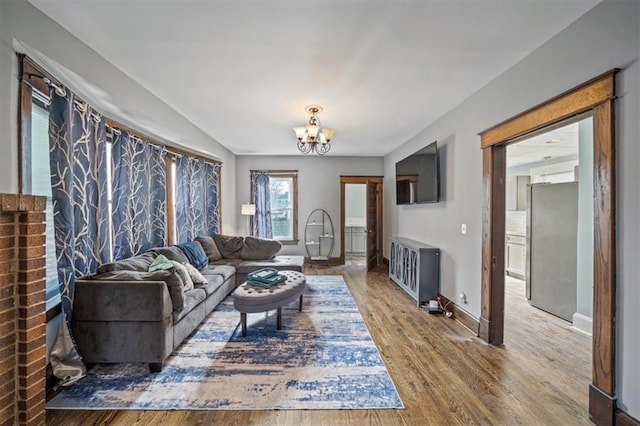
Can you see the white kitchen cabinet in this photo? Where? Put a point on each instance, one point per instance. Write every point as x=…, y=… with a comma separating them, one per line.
x=516, y=192
x=355, y=240
x=516, y=256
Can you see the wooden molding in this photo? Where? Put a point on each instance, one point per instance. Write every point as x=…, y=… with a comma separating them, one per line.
x=595, y=97
x=361, y=180
x=604, y=268
x=602, y=407
x=563, y=106
x=462, y=316
x=493, y=233
x=333, y=261
x=625, y=419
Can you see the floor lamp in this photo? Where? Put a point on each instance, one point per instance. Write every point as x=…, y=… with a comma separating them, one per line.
x=248, y=210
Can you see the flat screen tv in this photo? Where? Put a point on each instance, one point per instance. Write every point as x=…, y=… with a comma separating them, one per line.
x=417, y=177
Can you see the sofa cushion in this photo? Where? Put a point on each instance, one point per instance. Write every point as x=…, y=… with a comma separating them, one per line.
x=225, y=271
x=192, y=298
x=172, y=253
x=210, y=248
x=184, y=274
x=230, y=247
x=194, y=252
x=137, y=263
x=160, y=264
x=260, y=248
x=195, y=275
x=169, y=276
x=213, y=283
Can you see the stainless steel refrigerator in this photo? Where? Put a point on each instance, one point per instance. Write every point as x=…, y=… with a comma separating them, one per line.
x=552, y=247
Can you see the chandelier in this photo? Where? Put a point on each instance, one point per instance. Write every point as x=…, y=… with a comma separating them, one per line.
x=312, y=137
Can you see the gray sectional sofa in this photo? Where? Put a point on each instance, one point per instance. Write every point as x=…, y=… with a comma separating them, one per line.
x=124, y=313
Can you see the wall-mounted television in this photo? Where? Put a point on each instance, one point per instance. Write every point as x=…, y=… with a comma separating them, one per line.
x=418, y=177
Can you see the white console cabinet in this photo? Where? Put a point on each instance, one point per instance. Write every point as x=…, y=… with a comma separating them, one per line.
x=415, y=267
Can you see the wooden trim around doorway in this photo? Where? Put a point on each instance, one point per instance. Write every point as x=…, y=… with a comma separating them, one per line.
x=361, y=180
x=596, y=97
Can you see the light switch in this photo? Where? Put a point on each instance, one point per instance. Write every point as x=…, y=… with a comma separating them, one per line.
x=463, y=228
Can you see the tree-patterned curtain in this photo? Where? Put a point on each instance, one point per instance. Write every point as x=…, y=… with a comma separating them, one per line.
x=261, y=223
x=139, y=195
x=79, y=190
x=197, y=191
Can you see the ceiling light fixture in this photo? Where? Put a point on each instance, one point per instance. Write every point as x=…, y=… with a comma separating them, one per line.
x=312, y=137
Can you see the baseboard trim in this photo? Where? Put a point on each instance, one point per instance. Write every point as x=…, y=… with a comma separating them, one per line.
x=625, y=419
x=333, y=261
x=582, y=324
x=602, y=407
x=462, y=316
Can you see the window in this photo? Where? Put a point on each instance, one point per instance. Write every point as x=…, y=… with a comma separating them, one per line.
x=40, y=177
x=283, y=197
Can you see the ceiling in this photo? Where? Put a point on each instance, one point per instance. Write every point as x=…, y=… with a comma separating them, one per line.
x=243, y=71
x=550, y=147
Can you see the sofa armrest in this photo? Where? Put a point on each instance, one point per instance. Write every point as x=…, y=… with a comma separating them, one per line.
x=111, y=300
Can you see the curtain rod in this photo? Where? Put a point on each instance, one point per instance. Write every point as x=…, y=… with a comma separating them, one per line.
x=49, y=80
x=276, y=171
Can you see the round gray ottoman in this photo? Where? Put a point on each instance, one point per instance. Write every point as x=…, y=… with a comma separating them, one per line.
x=251, y=299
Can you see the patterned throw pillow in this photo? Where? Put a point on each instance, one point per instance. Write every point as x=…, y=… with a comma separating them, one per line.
x=195, y=275
x=184, y=274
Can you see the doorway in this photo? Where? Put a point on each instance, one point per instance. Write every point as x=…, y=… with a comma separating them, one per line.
x=596, y=97
x=548, y=222
x=355, y=223
x=361, y=211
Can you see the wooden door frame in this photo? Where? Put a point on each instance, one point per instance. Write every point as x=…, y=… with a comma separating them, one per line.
x=596, y=97
x=361, y=180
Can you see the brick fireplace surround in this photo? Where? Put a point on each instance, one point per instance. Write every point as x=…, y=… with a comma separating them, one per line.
x=22, y=309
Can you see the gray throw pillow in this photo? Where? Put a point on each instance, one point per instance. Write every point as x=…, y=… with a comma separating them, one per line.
x=138, y=263
x=210, y=248
x=172, y=253
x=260, y=248
x=230, y=247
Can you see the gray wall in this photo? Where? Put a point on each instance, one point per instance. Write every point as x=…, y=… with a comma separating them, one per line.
x=318, y=186
x=109, y=90
x=604, y=38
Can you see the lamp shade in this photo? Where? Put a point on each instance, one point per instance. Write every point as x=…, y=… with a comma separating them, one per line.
x=328, y=134
x=248, y=209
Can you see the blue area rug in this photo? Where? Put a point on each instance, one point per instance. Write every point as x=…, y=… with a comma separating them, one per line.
x=323, y=358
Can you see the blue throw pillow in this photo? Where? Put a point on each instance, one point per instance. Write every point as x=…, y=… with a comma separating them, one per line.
x=195, y=253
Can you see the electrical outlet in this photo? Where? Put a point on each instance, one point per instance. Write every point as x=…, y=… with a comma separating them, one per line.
x=463, y=298
x=463, y=228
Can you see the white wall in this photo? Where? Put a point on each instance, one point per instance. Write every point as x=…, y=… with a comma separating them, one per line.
x=584, y=274
x=604, y=38
x=355, y=200
x=318, y=186
x=108, y=89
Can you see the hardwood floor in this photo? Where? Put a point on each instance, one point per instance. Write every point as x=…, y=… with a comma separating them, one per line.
x=444, y=374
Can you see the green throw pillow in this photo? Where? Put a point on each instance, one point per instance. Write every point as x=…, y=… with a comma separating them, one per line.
x=160, y=264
